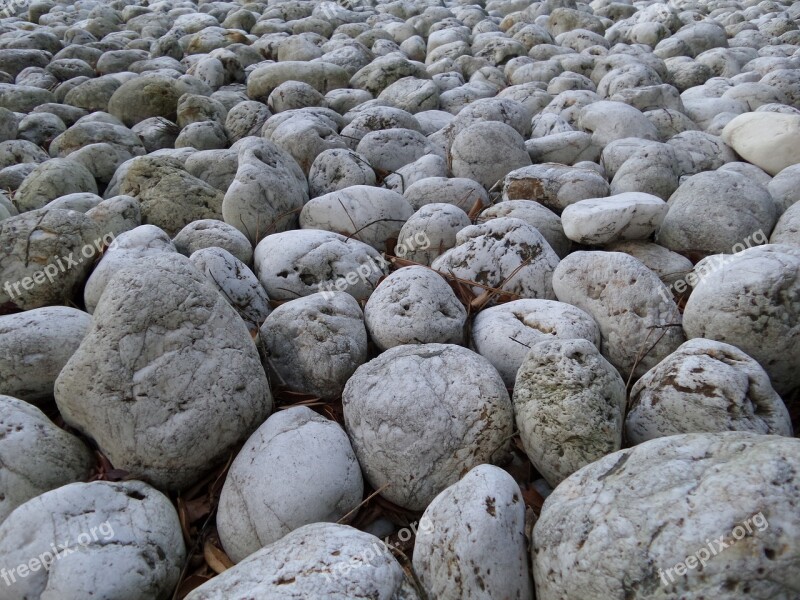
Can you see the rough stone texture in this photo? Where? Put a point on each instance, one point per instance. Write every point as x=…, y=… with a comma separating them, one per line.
x=236, y=282
x=627, y=216
x=208, y=233
x=314, y=344
x=369, y=214
x=690, y=490
x=472, y=544
x=168, y=195
x=545, y=220
x=34, y=347
x=751, y=301
x=505, y=334
x=297, y=468
x=414, y=305
x=430, y=232
x=35, y=455
x=298, y=263
x=45, y=239
x=638, y=319
x=116, y=540
x=146, y=382
x=267, y=193
x=569, y=404
x=506, y=254
x=738, y=206
x=787, y=229
x=421, y=416
x=53, y=179
x=472, y=146
x=553, y=185
x=321, y=560
x=705, y=386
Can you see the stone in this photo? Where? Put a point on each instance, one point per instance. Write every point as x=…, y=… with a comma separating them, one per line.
x=169, y=197
x=337, y=168
x=626, y=216
x=473, y=545
x=458, y=191
x=267, y=193
x=543, y=219
x=236, y=282
x=369, y=214
x=739, y=207
x=46, y=257
x=266, y=493
x=414, y=305
x=144, y=97
x=670, y=267
x=315, y=343
x=569, y=404
x=52, y=179
x=502, y=256
x=387, y=150
x=504, y=334
x=737, y=493
x=639, y=322
x=472, y=146
x=34, y=347
x=115, y=540
x=430, y=232
x=748, y=300
x=293, y=264
x=450, y=401
x=153, y=358
x=322, y=76
x=785, y=187
x=209, y=233
x=116, y=215
x=705, y=386
x=787, y=229
x=768, y=140
x=553, y=185
x=320, y=560
x=41, y=456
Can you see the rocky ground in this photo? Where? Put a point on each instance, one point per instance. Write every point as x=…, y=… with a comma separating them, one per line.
x=406, y=300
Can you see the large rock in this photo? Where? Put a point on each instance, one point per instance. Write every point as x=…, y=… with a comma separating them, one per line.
x=503, y=254
x=705, y=386
x=569, y=404
x=472, y=147
x=322, y=76
x=45, y=256
x=626, y=216
x=473, y=542
x=144, y=97
x=297, y=468
x=120, y=541
x=52, y=179
x=314, y=344
x=421, y=416
x=769, y=140
x=321, y=560
x=169, y=197
x=709, y=515
x=639, y=321
x=268, y=192
x=35, y=455
x=146, y=381
x=750, y=300
x=34, y=347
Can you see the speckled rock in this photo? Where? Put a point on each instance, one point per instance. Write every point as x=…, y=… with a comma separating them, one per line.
x=569, y=404
x=39, y=455
x=430, y=232
x=543, y=219
x=553, y=185
x=114, y=540
x=208, y=233
x=471, y=147
x=705, y=386
x=638, y=319
x=412, y=393
x=736, y=526
x=131, y=389
x=473, y=543
x=314, y=344
x=505, y=334
x=414, y=305
x=266, y=493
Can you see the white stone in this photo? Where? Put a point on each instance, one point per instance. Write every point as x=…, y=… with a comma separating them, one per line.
x=626, y=216
x=418, y=416
x=297, y=468
x=768, y=140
